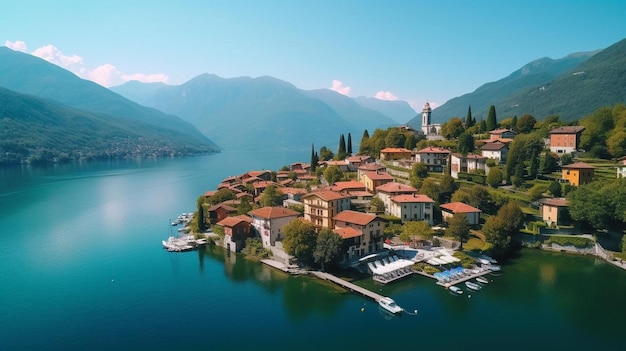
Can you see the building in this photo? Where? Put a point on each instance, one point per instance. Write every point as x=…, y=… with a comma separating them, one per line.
x=496, y=150
x=395, y=153
x=467, y=164
x=427, y=127
x=356, y=161
x=362, y=233
x=553, y=210
x=372, y=180
x=343, y=165
x=621, y=167
x=471, y=213
x=369, y=167
x=435, y=158
x=220, y=211
x=387, y=191
x=348, y=186
x=498, y=134
x=269, y=221
x=565, y=140
x=321, y=206
x=578, y=173
x=236, y=230
x=412, y=207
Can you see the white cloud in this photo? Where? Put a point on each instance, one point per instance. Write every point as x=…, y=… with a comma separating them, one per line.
x=386, y=95
x=17, y=45
x=106, y=74
x=340, y=88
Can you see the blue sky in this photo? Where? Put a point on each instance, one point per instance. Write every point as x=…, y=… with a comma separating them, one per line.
x=416, y=50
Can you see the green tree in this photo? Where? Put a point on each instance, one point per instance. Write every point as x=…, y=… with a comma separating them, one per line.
x=458, y=228
x=526, y=124
x=221, y=196
x=314, y=158
x=566, y=159
x=536, y=191
x=244, y=206
x=430, y=188
x=200, y=221
x=492, y=122
x=497, y=236
x=332, y=174
x=299, y=239
x=460, y=196
x=514, y=123
x=512, y=217
x=271, y=196
x=327, y=248
x=326, y=154
x=466, y=144
x=549, y=162
x=479, y=197
x=419, y=170
x=555, y=188
x=518, y=178
x=533, y=168
x=349, y=144
x=483, y=126
x=453, y=128
x=494, y=178
x=364, y=142
x=447, y=186
x=377, y=205
x=341, y=150
x=394, y=138
x=412, y=229
x=411, y=142
x=469, y=122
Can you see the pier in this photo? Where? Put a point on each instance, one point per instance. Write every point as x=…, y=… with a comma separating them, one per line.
x=347, y=285
x=462, y=279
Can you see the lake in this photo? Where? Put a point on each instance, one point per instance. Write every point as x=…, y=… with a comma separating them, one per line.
x=82, y=268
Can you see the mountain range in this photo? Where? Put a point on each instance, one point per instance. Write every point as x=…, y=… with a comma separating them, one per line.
x=571, y=87
x=264, y=113
x=79, y=103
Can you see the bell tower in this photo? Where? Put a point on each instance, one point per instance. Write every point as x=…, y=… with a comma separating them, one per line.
x=426, y=119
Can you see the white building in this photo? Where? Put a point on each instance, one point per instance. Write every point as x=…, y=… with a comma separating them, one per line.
x=427, y=127
x=415, y=207
x=269, y=222
x=387, y=191
x=496, y=150
x=435, y=158
x=467, y=164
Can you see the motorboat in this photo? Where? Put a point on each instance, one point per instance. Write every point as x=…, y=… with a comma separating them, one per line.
x=482, y=280
x=472, y=286
x=389, y=305
x=455, y=289
x=494, y=267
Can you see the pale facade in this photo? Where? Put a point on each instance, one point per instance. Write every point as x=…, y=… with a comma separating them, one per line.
x=321, y=206
x=414, y=207
x=387, y=191
x=362, y=233
x=269, y=222
x=467, y=164
x=435, y=158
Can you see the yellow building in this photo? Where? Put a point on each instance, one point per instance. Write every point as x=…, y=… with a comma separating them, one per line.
x=372, y=180
x=578, y=173
x=395, y=153
x=321, y=206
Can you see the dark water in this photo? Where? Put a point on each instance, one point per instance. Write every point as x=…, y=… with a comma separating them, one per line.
x=81, y=268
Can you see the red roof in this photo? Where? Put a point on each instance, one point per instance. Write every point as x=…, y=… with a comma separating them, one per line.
x=434, y=150
x=567, y=130
x=353, y=184
x=359, y=218
x=459, y=207
x=233, y=221
x=347, y=233
x=273, y=212
x=378, y=175
x=293, y=191
x=326, y=195
x=371, y=167
x=394, y=187
x=391, y=150
x=263, y=184
x=411, y=198
x=497, y=146
x=556, y=202
x=579, y=165
x=222, y=205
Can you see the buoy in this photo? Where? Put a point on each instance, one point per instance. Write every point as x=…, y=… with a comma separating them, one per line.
x=468, y=296
x=112, y=280
x=362, y=309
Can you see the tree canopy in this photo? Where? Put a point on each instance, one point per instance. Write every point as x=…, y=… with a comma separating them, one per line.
x=458, y=227
x=327, y=248
x=300, y=239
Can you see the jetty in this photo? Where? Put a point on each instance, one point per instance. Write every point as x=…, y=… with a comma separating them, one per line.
x=347, y=285
x=463, y=278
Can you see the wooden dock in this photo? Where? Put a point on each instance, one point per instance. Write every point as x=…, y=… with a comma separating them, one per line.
x=347, y=285
x=462, y=279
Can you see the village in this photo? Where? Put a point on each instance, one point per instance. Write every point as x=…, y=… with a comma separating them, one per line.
x=371, y=195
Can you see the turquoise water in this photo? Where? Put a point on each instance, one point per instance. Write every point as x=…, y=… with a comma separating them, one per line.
x=81, y=268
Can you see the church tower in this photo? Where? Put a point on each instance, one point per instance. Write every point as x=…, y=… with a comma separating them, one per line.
x=426, y=119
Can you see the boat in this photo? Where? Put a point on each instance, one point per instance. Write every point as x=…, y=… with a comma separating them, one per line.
x=472, y=286
x=494, y=267
x=482, y=280
x=455, y=289
x=389, y=305
x=176, y=244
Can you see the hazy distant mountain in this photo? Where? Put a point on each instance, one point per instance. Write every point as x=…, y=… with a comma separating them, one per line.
x=28, y=74
x=351, y=111
x=535, y=73
x=399, y=110
x=259, y=113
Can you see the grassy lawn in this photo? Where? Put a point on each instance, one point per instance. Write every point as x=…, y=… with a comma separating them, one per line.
x=474, y=244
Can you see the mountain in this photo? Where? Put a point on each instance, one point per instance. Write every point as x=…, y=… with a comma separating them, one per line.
x=262, y=114
x=400, y=111
x=599, y=81
x=28, y=74
x=535, y=73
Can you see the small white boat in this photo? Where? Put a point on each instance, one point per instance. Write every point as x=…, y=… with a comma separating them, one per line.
x=388, y=304
x=455, y=289
x=482, y=280
x=472, y=286
x=494, y=268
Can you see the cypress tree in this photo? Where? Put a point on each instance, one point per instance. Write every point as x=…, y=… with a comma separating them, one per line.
x=349, y=144
x=341, y=152
x=468, y=120
x=313, y=161
x=364, y=139
x=491, y=119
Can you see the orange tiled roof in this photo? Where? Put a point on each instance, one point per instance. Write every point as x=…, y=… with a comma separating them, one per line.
x=353, y=184
x=578, y=165
x=394, y=187
x=273, y=212
x=326, y=195
x=395, y=150
x=493, y=146
x=359, y=218
x=434, y=150
x=378, y=175
x=460, y=207
x=347, y=233
x=294, y=191
x=257, y=173
x=233, y=221
x=411, y=198
x=222, y=205
x=567, y=130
